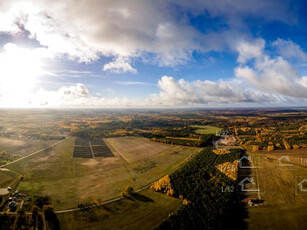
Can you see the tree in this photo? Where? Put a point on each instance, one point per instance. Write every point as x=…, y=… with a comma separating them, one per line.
x=34, y=209
x=50, y=217
x=128, y=191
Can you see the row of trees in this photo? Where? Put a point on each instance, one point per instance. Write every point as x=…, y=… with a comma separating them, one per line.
x=202, y=141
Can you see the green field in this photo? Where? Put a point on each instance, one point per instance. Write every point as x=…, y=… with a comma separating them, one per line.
x=144, y=211
x=70, y=181
x=284, y=206
x=206, y=129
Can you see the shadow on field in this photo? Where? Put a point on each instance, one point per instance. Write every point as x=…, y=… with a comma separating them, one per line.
x=241, y=213
x=139, y=197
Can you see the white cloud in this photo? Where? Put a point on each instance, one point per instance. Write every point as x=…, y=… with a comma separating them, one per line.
x=119, y=65
x=173, y=93
x=289, y=50
x=272, y=75
x=85, y=30
x=250, y=50
x=75, y=96
x=198, y=92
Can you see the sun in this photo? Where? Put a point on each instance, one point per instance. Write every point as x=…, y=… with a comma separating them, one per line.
x=19, y=70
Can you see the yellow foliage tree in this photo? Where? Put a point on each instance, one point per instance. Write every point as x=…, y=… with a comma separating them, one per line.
x=230, y=169
x=163, y=185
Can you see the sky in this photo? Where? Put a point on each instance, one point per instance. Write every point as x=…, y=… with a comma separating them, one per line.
x=153, y=54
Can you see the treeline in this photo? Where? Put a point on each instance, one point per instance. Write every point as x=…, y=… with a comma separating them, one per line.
x=47, y=137
x=203, y=140
x=298, y=140
x=201, y=183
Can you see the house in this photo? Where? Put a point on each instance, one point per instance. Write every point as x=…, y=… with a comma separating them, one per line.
x=303, y=185
x=283, y=159
x=245, y=162
x=245, y=181
x=12, y=206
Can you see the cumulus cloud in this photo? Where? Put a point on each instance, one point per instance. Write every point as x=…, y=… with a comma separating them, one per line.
x=158, y=32
x=289, y=50
x=110, y=28
x=173, y=93
x=85, y=30
x=74, y=96
x=270, y=74
x=249, y=50
x=119, y=65
x=198, y=92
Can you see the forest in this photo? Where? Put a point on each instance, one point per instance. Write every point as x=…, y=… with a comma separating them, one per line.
x=200, y=183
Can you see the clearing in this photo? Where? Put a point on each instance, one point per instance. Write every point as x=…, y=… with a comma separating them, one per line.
x=206, y=129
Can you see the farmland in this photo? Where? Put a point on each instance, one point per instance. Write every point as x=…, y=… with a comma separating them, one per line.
x=13, y=148
x=144, y=211
x=91, y=148
x=284, y=206
x=103, y=152
x=133, y=149
x=69, y=181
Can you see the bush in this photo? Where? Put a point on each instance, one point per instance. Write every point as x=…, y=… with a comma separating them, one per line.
x=128, y=191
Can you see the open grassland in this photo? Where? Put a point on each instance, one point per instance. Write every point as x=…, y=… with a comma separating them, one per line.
x=143, y=211
x=70, y=181
x=206, y=129
x=284, y=204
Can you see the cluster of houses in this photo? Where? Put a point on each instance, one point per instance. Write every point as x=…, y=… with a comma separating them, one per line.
x=15, y=198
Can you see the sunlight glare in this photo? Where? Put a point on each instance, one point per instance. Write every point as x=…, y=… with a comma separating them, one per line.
x=19, y=70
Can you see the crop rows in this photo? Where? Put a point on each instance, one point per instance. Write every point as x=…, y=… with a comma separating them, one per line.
x=82, y=148
x=83, y=152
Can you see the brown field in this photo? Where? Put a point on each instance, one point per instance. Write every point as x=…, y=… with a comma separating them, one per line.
x=134, y=149
x=11, y=142
x=285, y=206
x=23, y=146
x=295, y=156
x=70, y=181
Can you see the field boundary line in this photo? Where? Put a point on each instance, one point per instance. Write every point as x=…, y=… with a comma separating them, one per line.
x=256, y=170
x=93, y=155
x=119, y=153
x=31, y=154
